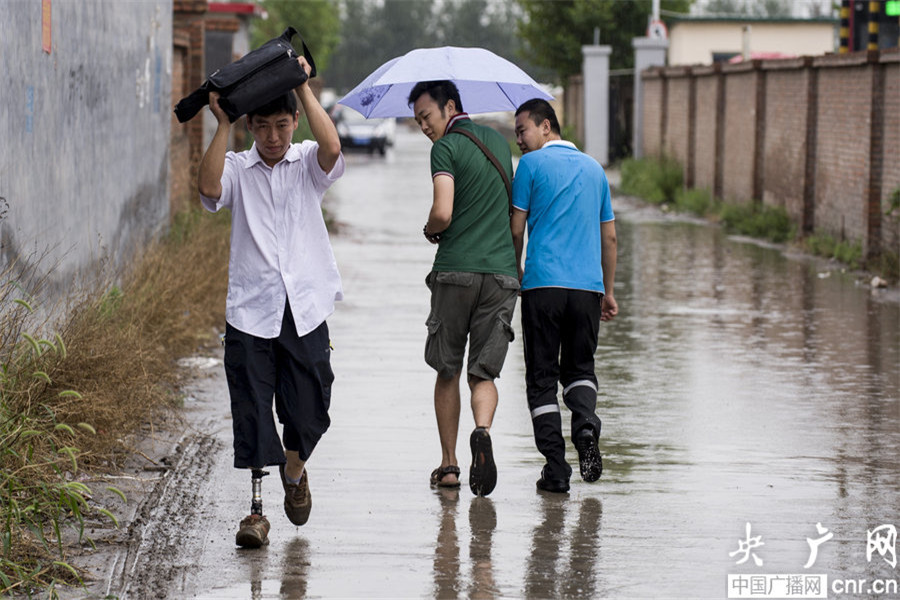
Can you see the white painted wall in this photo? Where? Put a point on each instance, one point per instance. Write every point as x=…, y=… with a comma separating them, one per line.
x=694, y=42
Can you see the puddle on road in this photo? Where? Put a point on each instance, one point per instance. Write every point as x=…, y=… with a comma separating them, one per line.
x=736, y=386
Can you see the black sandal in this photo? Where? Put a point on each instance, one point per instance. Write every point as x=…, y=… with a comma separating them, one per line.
x=437, y=476
x=483, y=474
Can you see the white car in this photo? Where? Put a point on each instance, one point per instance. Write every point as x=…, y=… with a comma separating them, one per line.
x=356, y=131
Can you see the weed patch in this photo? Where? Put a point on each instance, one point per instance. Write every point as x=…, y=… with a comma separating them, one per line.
x=754, y=219
x=888, y=265
x=847, y=252
x=894, y=204
x=656, y=181
x=695, y=201
x=70, y=399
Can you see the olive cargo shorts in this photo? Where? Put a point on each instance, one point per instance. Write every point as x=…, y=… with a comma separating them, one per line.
x=477, y=306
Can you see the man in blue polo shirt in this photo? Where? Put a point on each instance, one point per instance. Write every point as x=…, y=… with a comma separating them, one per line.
x=567, y=286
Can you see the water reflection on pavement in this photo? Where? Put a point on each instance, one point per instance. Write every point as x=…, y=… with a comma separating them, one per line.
x=737, y=386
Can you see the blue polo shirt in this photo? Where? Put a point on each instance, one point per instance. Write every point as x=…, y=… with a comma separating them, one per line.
x=566, y=195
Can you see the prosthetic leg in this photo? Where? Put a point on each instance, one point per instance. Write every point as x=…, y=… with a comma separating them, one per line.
x=254, y=529
x=256, y=503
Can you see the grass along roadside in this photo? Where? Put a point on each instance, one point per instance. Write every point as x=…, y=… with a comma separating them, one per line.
x=660, y=182
x=73, y=392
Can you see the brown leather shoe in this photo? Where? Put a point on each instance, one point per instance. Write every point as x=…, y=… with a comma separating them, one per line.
x=253, y=533
x=297, y=498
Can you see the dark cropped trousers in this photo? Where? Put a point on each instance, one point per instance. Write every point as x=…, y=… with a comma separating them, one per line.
x=294, y=371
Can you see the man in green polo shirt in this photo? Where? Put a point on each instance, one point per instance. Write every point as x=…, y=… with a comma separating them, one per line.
x=474, y=281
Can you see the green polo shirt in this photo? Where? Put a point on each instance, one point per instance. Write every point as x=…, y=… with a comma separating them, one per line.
x=478, y=239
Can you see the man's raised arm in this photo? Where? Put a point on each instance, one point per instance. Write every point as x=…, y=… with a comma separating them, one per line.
x=209, y=179
x=320, y=123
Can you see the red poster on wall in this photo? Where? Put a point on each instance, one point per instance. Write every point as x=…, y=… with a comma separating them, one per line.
x=46, y=38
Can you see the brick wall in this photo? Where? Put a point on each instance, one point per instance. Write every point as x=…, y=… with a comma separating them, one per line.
x=740, y=134
x=180, y=184
x=187, y=138
x=819, y=136
x=890, y=167
x=676, y=136
x=785, y=141
x=842, y=158
x=654, y=95
x=708, y=84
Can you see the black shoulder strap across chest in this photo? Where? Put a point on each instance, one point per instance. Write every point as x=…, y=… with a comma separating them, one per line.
x=492, y=158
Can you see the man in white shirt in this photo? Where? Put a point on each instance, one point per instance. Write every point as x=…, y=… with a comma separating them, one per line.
x=282, y=285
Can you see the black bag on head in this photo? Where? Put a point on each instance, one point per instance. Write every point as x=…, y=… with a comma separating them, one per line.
x=251, y=81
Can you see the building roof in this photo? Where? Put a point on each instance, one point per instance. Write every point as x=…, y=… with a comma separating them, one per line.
x=238, y=8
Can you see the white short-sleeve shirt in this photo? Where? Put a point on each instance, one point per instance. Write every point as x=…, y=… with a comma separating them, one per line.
x=279, y=244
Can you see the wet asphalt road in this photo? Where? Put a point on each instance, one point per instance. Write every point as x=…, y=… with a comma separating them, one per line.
x=737, y=386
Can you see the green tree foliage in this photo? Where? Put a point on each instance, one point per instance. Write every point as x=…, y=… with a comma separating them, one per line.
x=317, y=21
x=554, y=31
x=723, y=7
x=490, y=25
x=742, y=8
x=375, y=32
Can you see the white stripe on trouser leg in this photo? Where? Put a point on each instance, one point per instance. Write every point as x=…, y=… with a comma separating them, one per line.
x=583, y=382
x=543, y=410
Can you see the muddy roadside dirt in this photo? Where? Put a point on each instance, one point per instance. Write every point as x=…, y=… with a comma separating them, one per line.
x=166, y=481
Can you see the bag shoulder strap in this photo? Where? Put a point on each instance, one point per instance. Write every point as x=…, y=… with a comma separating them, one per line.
x=287, y=35
x=492, y=158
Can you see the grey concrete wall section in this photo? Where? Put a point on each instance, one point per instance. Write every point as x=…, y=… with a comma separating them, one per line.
x=596, y=101
x=648, y=52
x=84, y=160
